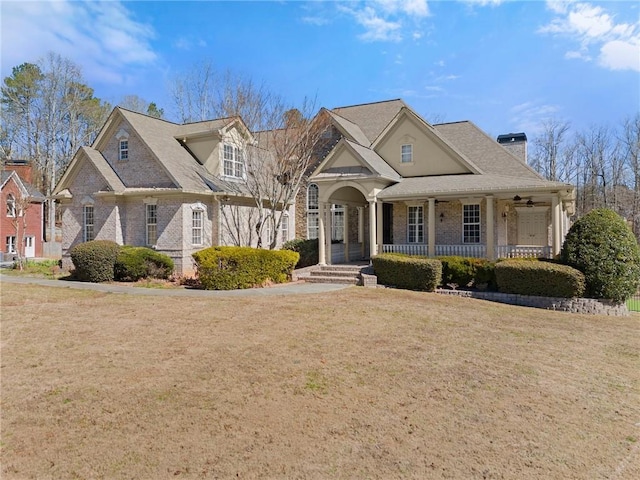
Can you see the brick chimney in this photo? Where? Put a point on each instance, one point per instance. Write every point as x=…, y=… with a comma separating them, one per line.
x=516, y=143
x=22, y=167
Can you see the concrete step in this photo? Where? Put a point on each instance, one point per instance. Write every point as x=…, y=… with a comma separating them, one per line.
x=335, y=273
x=331, y=279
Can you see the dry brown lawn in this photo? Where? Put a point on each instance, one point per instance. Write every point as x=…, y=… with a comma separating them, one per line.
x=360, y=383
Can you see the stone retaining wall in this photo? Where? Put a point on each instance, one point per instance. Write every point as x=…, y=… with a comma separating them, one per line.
x=572, y=305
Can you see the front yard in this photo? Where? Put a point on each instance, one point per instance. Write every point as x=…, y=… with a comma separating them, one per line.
x=360, y=383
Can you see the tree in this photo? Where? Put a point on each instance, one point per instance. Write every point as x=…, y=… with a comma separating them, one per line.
x=548, y=148
x=140, y=105
x=602, y=246
x=20, y=94
x=277, y=156
x=48, y=112
x=21, y=203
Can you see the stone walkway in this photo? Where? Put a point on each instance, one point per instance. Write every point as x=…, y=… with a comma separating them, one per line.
x=294, y=288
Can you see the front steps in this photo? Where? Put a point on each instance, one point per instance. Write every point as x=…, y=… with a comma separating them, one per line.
x=341, y=274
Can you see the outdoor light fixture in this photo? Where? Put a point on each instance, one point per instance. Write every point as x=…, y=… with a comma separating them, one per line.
x=517, y=198
x=441, y=217
x=529, y=203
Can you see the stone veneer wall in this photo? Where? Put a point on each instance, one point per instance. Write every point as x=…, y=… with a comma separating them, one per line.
x=572, y=305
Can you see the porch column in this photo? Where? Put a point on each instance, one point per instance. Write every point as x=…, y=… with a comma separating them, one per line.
x=372, y=229
x=346, y=233
x=431, y=229
x=321, y=240
x=555, y=225
x=379, y=228
x=491, y=243
x=361, y=230
x=327, y=232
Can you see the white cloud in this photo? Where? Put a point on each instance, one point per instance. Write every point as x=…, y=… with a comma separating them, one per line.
x=529, y=116
x=616, y=45
x=484, y=3
x=386, y=20
x=102, y=37
x=620, y=55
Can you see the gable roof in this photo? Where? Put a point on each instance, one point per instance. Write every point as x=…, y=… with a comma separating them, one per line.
x=32, y=192
x=372, y=164
x=371, y=118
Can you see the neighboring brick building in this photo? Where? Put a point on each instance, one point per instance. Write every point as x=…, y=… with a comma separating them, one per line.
x=21, y=221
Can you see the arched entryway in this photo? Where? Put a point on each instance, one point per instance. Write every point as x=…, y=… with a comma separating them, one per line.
x=346, y=233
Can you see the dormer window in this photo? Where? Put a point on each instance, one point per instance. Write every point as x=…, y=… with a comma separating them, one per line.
x=233, y=162
x=407, y=153
x=124, y=150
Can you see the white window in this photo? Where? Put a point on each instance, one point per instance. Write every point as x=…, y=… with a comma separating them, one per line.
x=337, y=223
x=407, y=153
x=11, y=205
x=416, y=224
x=124, y=150
x=87, y=223
x=196, y=227
x=471, y=223
x=312, y=211
x=151, y=215
x=284, y=227
x=233, y=162
x=10, y=245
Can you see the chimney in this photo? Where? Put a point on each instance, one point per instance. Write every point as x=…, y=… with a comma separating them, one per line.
x=516, y=143
x=22, y=168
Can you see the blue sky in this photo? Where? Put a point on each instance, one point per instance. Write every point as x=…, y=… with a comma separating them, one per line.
x=505, y=65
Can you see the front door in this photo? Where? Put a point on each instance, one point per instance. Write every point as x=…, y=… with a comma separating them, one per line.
x=532, y=228
x=29, y=247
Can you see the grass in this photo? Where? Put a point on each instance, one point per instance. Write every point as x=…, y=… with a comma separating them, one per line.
x=360, y=383
x=633, y=304
x=37, y=268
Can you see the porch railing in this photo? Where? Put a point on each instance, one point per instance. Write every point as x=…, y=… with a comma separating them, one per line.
x=522, y=251
x=472, y=251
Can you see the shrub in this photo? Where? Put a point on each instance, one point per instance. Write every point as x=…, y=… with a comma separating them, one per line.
x=134, y=263
x=543, y=279
x=228, y=268
x=467, y=272
x=602, y=246
x=410, y=272
x=94, y=261
x=308, y=250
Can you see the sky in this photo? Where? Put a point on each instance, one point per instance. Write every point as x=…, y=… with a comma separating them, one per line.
x=508, y=66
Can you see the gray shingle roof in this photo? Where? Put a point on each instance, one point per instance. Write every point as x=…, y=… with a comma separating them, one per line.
x=465, y=185
x=489, y=156
x=351, y=129
x=376, y=162
x=372, y=118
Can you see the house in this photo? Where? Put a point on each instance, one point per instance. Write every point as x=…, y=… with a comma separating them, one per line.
x=394, y=183
x=22, y=204
x=150, y=182
x=385, y=181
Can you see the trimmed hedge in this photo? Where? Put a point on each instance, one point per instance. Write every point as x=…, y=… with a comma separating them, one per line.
x=602, y=246
x=229, y=268
x=94, y=261
x=134, y=263
x=467, y=272
x=543, y=279
x=409, y=272
x=308, y=250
